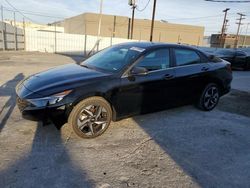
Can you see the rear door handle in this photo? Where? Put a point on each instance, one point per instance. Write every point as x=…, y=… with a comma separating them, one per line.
x=204, y=68
x=168, y=76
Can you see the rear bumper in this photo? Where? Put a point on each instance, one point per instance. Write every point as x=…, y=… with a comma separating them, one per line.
x=226, y=90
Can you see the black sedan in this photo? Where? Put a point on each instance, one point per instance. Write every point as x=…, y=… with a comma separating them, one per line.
x=237, y=58
x=125, y=80
x=241, y=60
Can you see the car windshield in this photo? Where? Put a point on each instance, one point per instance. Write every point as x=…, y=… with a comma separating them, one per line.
x=113, y=59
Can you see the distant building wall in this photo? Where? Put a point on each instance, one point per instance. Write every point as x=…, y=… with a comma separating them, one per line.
x=228, y=42
x=119, y=26
x=11, y=38
x=45, y=41
x=39, y=27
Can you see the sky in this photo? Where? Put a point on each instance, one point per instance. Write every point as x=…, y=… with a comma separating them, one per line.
x=191, y=12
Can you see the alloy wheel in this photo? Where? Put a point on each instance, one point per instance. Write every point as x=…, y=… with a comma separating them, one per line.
x=211, y=97
x=92, y=120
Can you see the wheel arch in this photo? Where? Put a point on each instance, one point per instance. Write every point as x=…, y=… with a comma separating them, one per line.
x=95, y=94
x=218, y=82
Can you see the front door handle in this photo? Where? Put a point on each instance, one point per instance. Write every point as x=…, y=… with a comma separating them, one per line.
x=204, y=68
x=168, y=76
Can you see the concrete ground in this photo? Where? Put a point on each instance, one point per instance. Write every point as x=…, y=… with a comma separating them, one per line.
x=181, y=147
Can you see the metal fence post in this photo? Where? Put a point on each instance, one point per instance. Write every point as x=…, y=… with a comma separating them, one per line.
x=15, y=31
x=55, y=38
x=24, y=37
x=85, y=45
x=85, y=40
x=111, y=39
x=3, y=29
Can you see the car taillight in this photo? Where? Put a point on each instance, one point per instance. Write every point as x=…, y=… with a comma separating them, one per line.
x=229, y=68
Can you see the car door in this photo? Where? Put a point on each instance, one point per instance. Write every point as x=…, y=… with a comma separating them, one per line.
x=192, y=72
x=147, y=92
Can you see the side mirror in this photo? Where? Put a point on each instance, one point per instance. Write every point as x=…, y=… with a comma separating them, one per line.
x=211, y=57
x=138, y=71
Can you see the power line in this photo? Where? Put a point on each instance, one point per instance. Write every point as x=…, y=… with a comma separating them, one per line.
x=35, y=13
x=140, y=10
x=18, y=10
x=203, y=17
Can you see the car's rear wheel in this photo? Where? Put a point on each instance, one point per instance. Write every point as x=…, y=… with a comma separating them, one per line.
x=209, y=97
x=91, y=117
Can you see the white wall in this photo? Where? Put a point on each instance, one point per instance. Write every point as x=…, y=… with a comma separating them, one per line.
x=12, y=37
x=44, y=41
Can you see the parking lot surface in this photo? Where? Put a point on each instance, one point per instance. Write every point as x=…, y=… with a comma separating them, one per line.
x=181, y=147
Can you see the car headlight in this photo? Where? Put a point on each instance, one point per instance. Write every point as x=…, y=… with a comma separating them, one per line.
x=50, y=100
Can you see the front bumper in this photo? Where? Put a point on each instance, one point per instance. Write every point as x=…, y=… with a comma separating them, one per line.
x=34, y=113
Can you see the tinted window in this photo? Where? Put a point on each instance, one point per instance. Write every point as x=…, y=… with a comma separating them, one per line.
x=186, y=57
x=156, y=60
x=114, y=58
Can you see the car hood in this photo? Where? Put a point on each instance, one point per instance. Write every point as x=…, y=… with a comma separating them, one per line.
x=60, y=78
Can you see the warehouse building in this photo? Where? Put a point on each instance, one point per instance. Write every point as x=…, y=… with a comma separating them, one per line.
x=120, y=27
x=229, y=41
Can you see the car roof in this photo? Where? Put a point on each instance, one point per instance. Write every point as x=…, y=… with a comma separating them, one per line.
x=151, y=45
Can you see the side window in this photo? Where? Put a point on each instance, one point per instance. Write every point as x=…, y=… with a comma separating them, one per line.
x=186, y=57
x=156, y=60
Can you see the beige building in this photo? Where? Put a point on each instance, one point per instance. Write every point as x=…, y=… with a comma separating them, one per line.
x=229, y=41
x=120, y=26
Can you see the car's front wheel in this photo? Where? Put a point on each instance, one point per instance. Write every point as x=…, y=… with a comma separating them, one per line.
x=91, y=117
x=209, y=98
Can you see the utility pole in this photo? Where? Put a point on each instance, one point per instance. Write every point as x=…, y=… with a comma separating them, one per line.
x=99, y=24
x=239, y=24
x=133, y=6
x=245, y=35
x=114, y=25
x=3, y=29
x=152, y=22
x=223, y=27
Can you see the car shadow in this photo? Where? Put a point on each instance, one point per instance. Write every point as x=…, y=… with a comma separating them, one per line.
x=214, y=153
x=8, y=90
x=47, y=164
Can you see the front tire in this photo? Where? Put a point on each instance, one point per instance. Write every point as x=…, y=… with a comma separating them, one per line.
x=91, y=117
x=209, y=98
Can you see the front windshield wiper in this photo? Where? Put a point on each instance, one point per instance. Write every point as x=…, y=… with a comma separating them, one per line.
x=86, y=66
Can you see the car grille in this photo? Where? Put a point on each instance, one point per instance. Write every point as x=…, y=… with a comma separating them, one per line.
x=21, y=103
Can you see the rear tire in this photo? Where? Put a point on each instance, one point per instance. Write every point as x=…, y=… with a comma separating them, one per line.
x=209, y=98
x=91, y=117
